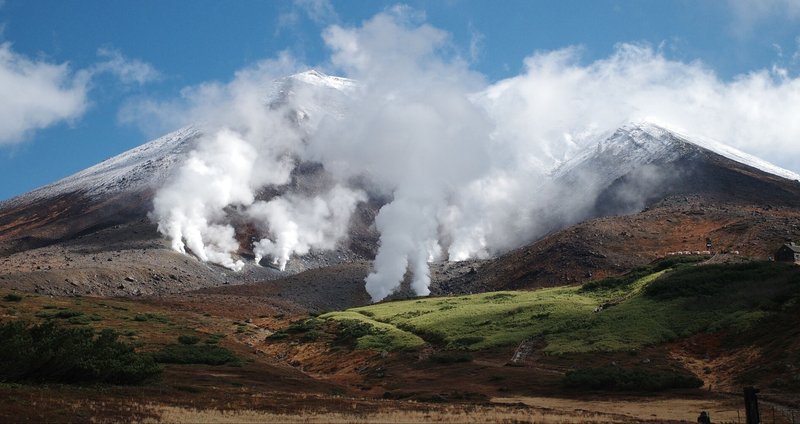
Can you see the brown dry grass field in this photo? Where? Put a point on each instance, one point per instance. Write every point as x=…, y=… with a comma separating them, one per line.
x=266, y=387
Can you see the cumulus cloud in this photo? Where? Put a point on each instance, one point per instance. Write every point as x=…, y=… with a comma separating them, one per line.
x=467, y=166
x=37, y=94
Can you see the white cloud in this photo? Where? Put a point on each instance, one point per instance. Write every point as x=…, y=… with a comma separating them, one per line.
x=754, y=112
x=37, y=94
x=748, y=14
x=319, y=11
x=475, y=43
x=213, y=103
x=796, y=55
x=128, y=71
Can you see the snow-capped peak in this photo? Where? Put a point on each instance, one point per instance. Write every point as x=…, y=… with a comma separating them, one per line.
x=639, y=143
x=719, y=148
x=316, y=78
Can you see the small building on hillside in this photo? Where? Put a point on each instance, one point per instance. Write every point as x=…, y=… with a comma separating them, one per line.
x=789, y=252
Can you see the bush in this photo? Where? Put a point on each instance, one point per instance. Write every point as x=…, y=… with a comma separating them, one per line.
x=633, y=379
x=310, y=336
x=62, y=314
x=303, y=326
x=195, y=354
x=54, y=354
x=188, y=340
x=278, y=335
x=351, y=330
x=12, y=297
x=214, y=338
x=150, y=317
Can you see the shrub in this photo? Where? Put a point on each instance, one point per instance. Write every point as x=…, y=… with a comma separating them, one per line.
x=278, y=335
x=633, y=379
x=62, y=314
x=79, y=320
x=195, y=354
x=351, y=330
x=188, y=340
x=54, y=354
x=12, y=297
x=310, y=336
x=303, y=326
x=214, y=338
x=150, y=317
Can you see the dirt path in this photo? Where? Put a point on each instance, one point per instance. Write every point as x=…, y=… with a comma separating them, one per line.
x=721, y=410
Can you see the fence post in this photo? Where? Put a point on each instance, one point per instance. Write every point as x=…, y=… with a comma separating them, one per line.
x=751, y=405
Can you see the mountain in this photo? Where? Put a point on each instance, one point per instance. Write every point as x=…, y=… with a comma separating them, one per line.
x=658, y=192
x=649, y=190
x=121, y=188
x=90, y=233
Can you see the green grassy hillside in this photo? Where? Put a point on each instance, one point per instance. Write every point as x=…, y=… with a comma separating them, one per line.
x=650, y=305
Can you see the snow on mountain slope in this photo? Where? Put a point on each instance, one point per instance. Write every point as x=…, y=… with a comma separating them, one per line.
x=137, y=169
x=312, y=95
x=729, y=152
x=643, y=143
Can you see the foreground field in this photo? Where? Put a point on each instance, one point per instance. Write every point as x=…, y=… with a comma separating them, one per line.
x=626, y=349
x=505, y=410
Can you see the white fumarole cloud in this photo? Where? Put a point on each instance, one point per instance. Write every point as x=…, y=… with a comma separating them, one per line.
x=464, y=162
x=247, y=144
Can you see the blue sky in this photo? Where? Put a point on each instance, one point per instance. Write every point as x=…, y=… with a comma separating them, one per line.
x=85, y=60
